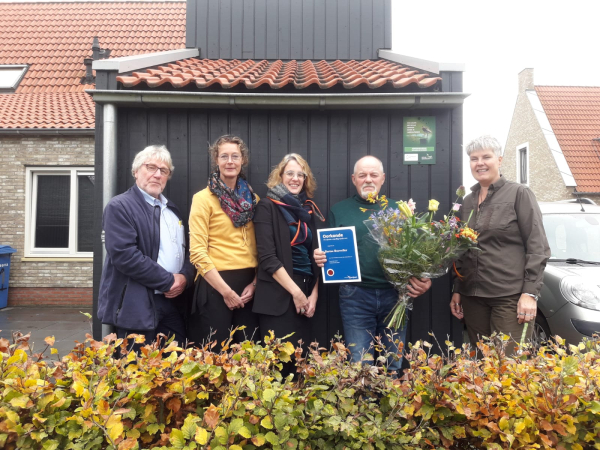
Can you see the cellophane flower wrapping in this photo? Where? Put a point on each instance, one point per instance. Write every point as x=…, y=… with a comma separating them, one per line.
x=413, y=245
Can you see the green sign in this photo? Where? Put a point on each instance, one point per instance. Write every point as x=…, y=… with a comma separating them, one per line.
x=419, y=140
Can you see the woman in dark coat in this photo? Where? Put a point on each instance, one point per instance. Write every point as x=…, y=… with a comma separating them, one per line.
x=288, y=279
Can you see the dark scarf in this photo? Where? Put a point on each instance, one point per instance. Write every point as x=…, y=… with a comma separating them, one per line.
x=239, y=203
x=296, y=209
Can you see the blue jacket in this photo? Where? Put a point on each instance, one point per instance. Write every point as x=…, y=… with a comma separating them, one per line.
x=131, y=273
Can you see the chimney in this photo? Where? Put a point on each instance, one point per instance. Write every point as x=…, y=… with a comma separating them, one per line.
x=96, y=49
x=525, y=80
x=89, y=74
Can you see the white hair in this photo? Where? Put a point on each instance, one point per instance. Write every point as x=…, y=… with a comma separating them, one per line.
x=368, y=156
x=158, y=152
x=484, y=143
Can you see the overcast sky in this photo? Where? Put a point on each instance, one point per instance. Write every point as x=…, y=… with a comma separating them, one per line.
x=558, y=39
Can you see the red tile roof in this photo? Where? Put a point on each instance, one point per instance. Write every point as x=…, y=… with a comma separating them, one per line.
x=54, y=38
x=574, y=114
x=203, y=73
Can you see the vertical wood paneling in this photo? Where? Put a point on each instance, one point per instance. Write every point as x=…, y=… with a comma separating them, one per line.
x=202, y=27
x=237, y=27
x=378, y=24
x=272, y=27
x=199, y=165
x=308, y=30
x=213, y=30
x=366, y=29
x=331, y=36
x=343, y=29
x=319, y=30
x=248, y=30
x=388, y=24
x=225, y=17
x=355, y=31
x=190, y=24
x=296, y=30
x=260, y=29
x=285, y=27
x=331, y=142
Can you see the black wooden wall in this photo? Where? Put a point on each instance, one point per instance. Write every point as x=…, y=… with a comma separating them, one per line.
x=289, y=29
x=331, y=142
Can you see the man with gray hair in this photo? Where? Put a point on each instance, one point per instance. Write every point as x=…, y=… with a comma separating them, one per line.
x=147, y=264
x=365, y=305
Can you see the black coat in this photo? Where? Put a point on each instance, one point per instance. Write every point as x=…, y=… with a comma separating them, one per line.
x=275, y=251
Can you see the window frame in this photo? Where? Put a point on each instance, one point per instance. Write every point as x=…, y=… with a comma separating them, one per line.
x=519, y=148
x=14, y=87
x=32, y=174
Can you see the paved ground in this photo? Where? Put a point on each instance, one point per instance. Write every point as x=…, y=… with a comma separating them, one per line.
x=67, y=325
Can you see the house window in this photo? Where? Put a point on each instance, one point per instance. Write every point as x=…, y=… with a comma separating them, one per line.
x=523, y=163
x=11, y=76
x=60, y=212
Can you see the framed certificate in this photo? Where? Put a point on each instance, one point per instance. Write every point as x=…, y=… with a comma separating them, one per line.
x=342, y=255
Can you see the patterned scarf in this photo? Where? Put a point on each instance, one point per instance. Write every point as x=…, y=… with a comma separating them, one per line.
x=239, y=203
x=296, y=210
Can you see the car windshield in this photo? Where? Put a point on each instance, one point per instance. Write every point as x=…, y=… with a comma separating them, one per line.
x=573, y=236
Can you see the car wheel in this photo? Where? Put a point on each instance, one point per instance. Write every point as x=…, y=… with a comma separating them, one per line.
x=541, y=331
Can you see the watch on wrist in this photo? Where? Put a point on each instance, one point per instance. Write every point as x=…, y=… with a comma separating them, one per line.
x=535, y=297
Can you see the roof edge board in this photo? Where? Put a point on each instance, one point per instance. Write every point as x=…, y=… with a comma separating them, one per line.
x=423, y=64
x=136, y=62
x=548, y=132
x=245, y=100
x=47, y=131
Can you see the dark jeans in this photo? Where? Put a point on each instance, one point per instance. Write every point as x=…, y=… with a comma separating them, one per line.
x=170, y=322
x=483, y=316
x=363, y=315
x=211, y=314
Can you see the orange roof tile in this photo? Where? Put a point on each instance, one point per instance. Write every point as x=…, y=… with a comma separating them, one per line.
x=204, y=73
x=574, y=114
x=54, y=38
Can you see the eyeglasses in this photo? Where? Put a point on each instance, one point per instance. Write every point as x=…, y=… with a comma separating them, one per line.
x=152, y=169
x=292, y=174
x=234, y=158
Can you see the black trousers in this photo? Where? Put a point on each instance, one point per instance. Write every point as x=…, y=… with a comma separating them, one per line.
x=170, y=322
x=212, y=319
x=290, y=322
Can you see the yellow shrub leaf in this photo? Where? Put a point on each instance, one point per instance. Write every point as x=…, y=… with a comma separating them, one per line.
x=258, y=440
x=114, y=427
x=49, y=340
x=201, y=436
x=245, y=432
x=20, y=402
x=266, y=423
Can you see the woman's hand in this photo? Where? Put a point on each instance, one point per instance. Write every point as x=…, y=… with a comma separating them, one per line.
x=232, y=300
x=320, y=257
x=300, y=301
x=418, y=286
x=456, y=307
x=526, y=309
x=312, y=304
x=248, y=292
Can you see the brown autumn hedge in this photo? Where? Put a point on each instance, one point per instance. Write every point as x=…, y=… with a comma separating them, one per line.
x=167, y=397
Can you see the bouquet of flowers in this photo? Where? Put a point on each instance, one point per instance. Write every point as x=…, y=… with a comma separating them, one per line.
x=413, y=244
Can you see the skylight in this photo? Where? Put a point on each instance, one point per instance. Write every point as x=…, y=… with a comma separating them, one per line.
x=11, y=76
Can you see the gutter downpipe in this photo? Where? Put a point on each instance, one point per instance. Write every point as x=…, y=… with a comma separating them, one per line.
x=109, y=172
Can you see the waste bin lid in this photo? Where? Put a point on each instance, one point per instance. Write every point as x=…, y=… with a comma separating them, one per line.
x=4, y=249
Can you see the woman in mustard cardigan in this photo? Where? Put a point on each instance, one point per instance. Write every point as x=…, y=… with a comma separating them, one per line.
x=223, y=248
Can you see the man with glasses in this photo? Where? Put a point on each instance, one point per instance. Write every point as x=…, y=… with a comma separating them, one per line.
x=147, y=265
x=364, y=306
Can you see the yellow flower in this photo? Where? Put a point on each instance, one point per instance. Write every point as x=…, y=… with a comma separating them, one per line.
x=469, y=233
x=433, y=205
x=363, y=209
x=404, y=208
x=372, y=197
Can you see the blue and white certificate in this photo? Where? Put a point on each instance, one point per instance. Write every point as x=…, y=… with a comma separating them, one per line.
x=342, y=255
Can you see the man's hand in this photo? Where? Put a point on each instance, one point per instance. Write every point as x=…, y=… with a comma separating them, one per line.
x=418, y=286
x=320, y=257
x=248, y=292
x=178, y=286
x=456, y=307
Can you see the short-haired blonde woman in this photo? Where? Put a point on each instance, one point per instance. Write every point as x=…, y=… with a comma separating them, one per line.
x=287, y=283
x=223, y=247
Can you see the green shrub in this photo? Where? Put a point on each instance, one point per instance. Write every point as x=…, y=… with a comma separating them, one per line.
x=167, y=397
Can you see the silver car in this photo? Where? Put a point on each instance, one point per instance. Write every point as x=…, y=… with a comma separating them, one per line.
x=569, y=304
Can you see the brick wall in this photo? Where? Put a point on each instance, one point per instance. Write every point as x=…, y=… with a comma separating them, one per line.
x=71, y=281
x=544, y=177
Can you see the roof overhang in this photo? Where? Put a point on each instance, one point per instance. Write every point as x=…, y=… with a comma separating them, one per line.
x=136, y=62
x=47, y=131
x=423, y=64
x=252, y=100
x=553, y=145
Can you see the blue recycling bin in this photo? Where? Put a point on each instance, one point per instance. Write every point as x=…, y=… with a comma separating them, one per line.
x=5, y=254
